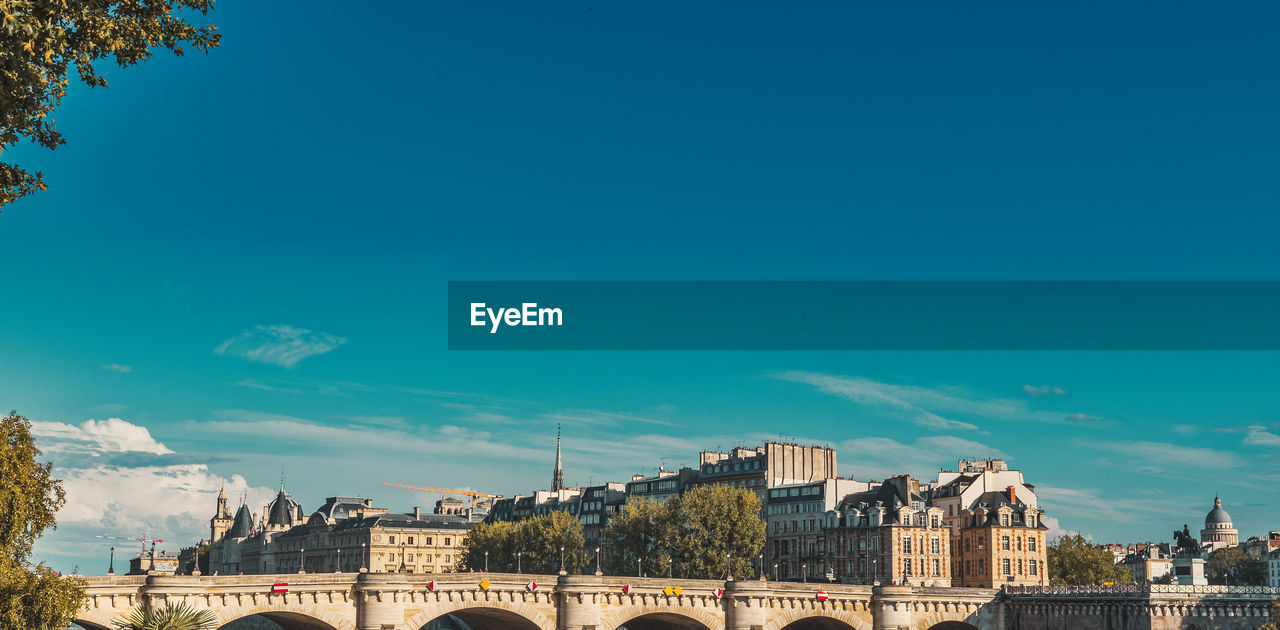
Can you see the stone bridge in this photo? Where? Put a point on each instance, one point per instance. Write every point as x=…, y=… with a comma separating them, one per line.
x=490, y=601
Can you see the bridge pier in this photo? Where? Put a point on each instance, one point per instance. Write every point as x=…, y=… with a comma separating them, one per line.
x=892, y=607
x=381, y=598
x=579, y=605
x=744, y=603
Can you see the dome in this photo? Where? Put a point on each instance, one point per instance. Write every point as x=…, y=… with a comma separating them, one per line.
x=282, y=511
x=1217, y=515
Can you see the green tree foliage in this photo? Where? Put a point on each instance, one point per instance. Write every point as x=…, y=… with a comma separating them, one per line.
x=174, y=616
x=32, y=597
x=702, y=533
x=538, y=540
x=1075, y=561
x=201, y=560
x=1232, y=566
x=42, y=40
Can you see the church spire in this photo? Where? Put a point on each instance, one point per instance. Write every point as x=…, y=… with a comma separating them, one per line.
x=557, y=477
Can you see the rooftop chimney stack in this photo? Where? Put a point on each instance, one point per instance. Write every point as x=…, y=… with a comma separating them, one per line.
x=1013, y=499
x=417, y=513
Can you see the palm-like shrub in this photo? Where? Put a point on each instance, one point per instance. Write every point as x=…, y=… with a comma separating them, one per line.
x=173, y=616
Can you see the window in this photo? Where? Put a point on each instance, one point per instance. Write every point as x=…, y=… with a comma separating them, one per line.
x=1031, y=567
x=1019, y=543
x=935, y=545
x=1004, y=567
x=906, y=568
x=1004, y=543
x=1019, y=566
x=1004, y=520
x=968, y=568
x=937, y=567
x=410, y=558
x=967, y=546
x=1031, y=543
x=446, y=541
x=906, y=544
x=391, y=539
x=411, y=540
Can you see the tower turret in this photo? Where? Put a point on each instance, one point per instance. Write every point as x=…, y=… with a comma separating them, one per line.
x=557, y=477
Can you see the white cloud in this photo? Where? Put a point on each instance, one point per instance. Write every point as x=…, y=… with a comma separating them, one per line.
x=120, y=481
x=1163, y=457
x=116, y=367
x=1055, y=529
x=1035, y=391
x=1092, y=506
x=881, y=457
x=96, y=437
x=905, y=400
x=1259, y=436
x=279, y=345
x=933, y=408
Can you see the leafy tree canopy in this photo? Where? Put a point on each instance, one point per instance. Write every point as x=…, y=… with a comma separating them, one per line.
x=1232, y=566
x=537, y=540
x=41, y=41
x=701, y=534
x=1073, y=560
x=31, y=597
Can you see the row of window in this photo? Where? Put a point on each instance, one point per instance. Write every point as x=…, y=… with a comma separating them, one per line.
x=1006, y=543
x=408, y=540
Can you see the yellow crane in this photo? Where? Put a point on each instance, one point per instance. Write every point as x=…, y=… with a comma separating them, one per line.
x=466, y=493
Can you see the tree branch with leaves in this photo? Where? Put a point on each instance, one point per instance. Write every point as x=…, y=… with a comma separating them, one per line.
x=42, y=41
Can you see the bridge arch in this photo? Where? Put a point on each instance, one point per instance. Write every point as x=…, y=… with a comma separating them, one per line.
x=488, y=616
x=818, y=619
x=952, y=625
x=660, y=617
x=88, y=624
x=286, y=619
x=665, y=621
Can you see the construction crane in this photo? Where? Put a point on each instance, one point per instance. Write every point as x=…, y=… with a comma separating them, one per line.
x=466, y=493
x=143, y=539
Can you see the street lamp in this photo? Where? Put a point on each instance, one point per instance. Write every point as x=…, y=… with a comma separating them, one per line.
x=403, y=568
x=363, y=567
x=728, y=563
x=668, y=568
x=804, y=573
x=518, y=554
x=486, y=562
x=562, y=571
x=775, y=572
x=598, y=571
x=338, y=564
x=760, y=566
x=875, y=570
x=639, y=570
x=302, y=559
x=111, y=564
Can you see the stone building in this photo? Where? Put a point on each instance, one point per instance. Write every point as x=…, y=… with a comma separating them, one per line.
x=345, y=534
x=1219, y=532
x=887, y=534
x=1001, y=543
x=1148, y=561
x=795, y=515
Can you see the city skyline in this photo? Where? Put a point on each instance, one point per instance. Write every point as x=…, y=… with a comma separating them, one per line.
x=275, y=293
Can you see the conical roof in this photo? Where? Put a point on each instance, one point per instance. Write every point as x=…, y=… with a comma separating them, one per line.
x=243, y=525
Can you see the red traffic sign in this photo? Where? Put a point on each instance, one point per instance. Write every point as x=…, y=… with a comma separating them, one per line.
x=280, y=587
x=532, y=586
x=626, y=588
x=431, y=585
x=718, y=592
x=822, y=596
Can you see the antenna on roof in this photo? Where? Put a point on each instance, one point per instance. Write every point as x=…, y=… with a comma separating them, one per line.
x=282, y=476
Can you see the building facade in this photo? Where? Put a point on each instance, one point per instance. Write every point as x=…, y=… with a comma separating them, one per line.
x=1002, y=543
x=346, y=534
x=887, y=533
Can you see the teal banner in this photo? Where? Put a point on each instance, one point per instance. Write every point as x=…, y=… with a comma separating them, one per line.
x=724, y=315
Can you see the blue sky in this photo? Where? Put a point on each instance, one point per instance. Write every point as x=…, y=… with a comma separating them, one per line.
x=243, y=257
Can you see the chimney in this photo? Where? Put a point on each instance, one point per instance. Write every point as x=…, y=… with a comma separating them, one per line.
x=417, y=511
x=1013, y=499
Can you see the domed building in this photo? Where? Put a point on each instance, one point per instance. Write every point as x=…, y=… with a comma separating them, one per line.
x=1219, y=532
